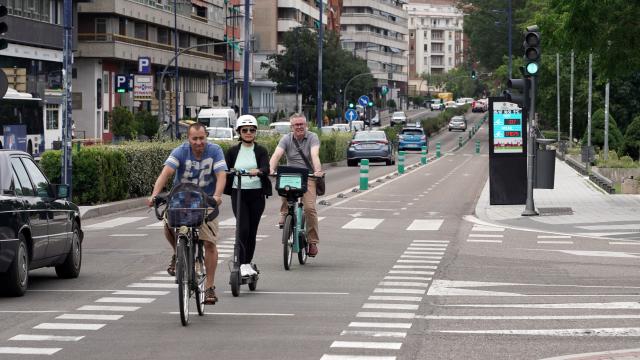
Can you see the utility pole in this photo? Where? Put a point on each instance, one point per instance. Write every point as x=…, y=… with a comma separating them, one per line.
x=67, y=61
x=606, y=121
x=558, y=92
x=571, y=105
x=319, y=104
x=177, y=78
x=589, y=117
x=247, y=52
x=509, y=35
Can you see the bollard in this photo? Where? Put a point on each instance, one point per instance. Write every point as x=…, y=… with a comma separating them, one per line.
x=477, y=146
x=437, y=149
x=78, y=146
x=469, y=134
x=423, y=158
x=400, y=162
x=364, y=174
x=459, y=141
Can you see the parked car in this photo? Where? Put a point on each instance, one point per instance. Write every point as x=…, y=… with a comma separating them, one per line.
x=480, y=105
x=356, y=125
x=450, y=104
x=399, y=117
x=412, y=138
x=38, y=226
x=375, y=118
x=458, y=123
x=281, y=127
x=221, y=134
x=437, y=104
x=328, y=129
x=342, y=127
x=372, y=145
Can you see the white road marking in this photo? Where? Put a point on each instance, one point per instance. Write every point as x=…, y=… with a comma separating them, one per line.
x=107, y=308
x=28, y=337
x=403, y=283
x=29, y=350
x=159, y=278
x=393, y=334
x=526, y=317
x=613, y=254
x=423, y=253
x=356, y=357
x=484, y=241
x=555, y=242
x=607, y=305
x=623, y=243
x=385, y=325
x=414, y=267
x=129, y=235
x=398, y=291
x=425, y=225
x=68, y=326
x=234, y=314
x=411, y=272
x=228, y=222
x=425, y=248
x=432, y=241
x=29, y=311
x=486, y=235
x=622, y=332
x=390, y=306
x=432, y=257
x=407, y=278
x=611, y=227
x=363, y=224
x=125, y=300
x=554, y=237
x=141, y=292
x=419, y=261
x=477, y=227
x=386, y=315
x=297, y=293
x=153, y=285
x=119, y=221
x=158, y=224
x=366, y=345
x=88, y=317
x=394, y=298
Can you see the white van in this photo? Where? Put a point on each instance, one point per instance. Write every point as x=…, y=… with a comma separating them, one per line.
x=281, y=127
x=217, y=117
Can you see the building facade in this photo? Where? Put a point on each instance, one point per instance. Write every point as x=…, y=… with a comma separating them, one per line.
x=376, y=30
x=436, y=41
x=116, y=36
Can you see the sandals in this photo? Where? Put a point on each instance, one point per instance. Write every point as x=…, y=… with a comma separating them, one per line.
x=171, y=270
x=210, y=297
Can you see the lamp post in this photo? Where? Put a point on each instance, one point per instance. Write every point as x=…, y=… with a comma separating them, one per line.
x=319, y=103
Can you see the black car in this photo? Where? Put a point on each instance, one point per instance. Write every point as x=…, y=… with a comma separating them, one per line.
x=38, y=226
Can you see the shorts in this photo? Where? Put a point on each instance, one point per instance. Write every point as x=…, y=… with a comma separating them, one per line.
x=208, y=231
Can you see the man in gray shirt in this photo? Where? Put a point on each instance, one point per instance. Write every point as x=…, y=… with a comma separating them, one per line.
x=310, y=146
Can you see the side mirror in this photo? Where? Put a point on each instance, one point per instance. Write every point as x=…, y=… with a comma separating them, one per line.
x=61, y=191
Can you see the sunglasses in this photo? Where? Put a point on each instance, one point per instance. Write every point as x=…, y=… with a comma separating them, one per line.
x=248, y=130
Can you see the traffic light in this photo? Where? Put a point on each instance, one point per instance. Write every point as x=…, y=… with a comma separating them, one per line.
x=532, y=50
x=3, y=27
x=522, y=86
x=473, y=74
x=370, y=104
x=351, y=105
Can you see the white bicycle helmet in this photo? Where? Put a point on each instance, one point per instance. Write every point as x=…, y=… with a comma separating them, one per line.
x=246, y=120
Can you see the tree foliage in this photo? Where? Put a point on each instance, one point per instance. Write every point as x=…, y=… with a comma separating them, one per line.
x=632, y=139
x=597, y=131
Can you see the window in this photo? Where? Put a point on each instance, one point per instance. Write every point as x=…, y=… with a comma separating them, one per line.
x=24, y=182
x=41, y=182
x=16, y=184
x=105, y=82
x=163, y=36
x=105, y=121
x=52, y=117
x=140, y=31
x=101, y=28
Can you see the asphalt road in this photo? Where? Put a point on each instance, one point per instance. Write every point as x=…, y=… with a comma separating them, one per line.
x=403, y=272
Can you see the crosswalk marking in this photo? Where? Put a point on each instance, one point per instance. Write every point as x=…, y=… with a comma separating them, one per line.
x=363, y=224
x=557, y=242
x=432, y=257
x=68, y=326
x=394, y=298
x=486, y=235
x=29, y=350
x=125, y=300
x=407, y=278
x=107, y=308
x=484, y=241
x=376, y=334
x=366, y=345
x=153, y=285
x=159, y=278
x=390, y=306
x=386, y=315
x=608, y=332
x=140, y=292
x=403, y=283
x=418, y=261
x=29, y=337
x=119, y=221
x=425, y=225
x=356, y=357
x=399, y=291
x=88, y=317
x=554, y=237
x=411, y=272
x=414, y=267
x=477, y=227
x=385, y=325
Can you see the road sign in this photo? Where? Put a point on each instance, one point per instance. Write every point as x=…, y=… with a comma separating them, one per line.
x=351, y=115
x=384, y=90
x=363, y=100
x=122, y=83
x=143, y=87
x=144, y=65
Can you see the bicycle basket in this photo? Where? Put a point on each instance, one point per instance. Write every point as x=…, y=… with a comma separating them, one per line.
x=186, y=206
x=291, y=180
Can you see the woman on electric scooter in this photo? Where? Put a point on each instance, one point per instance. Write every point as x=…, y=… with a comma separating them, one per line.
x=253, y=158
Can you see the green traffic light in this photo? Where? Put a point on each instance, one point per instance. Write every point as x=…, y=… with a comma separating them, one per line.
x=350, y=105
x=532, y=68
x=370, y=103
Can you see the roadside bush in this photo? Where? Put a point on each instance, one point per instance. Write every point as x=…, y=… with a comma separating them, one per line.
x=597, y=133
x=146, y=124
x=632, y=139
x=122, y=122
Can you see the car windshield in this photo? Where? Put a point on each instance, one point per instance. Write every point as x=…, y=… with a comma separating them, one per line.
x=214, y=121
x=223, y=133
x=282, y=129
x=370, y=135
x=412, y=132
x=398, y=113
x=457, y=119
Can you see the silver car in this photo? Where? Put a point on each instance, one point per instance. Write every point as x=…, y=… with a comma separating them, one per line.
x=399, y=117
x=458, y=123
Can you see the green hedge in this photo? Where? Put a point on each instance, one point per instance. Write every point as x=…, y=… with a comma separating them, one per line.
x=128, y=170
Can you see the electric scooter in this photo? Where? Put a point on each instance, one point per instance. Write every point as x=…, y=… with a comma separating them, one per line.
x=236, y=279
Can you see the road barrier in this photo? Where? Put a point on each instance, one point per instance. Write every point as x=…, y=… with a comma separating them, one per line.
x=438, y=149
x=423, y=157
x=400, y=162
x=477, y=146
x=459, y=141
x=364, y=174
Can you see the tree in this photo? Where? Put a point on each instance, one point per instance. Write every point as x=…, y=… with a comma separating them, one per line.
x=597, y=131
x=146, y=124
x=122, y=123
x=632, y=139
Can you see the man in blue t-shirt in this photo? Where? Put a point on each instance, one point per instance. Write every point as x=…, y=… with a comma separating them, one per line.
x=202, y=164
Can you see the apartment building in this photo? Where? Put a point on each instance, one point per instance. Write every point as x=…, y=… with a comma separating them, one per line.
x=377, y=31
x=33, y=61
x=435, y=41
x=113, y=37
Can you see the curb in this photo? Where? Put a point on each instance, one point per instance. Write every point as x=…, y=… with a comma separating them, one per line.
x=88, y=212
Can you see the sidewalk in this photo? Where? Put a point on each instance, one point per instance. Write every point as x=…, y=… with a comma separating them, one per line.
x=574, y=206
x=88, y=212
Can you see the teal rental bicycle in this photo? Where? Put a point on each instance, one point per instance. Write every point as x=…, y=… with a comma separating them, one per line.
x=292, y=184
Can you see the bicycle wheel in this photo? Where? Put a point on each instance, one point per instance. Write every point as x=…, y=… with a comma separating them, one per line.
x=287, y=242
x=182, y=274
x=303, y=244
x=201, y=277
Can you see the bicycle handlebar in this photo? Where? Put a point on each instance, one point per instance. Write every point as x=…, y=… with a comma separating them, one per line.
x=162, y=199
x=309, y=176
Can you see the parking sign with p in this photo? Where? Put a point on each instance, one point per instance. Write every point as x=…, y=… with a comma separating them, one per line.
x=122, y=83
x=144, y=65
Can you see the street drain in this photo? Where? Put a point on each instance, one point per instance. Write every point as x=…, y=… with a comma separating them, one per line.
x=554, y=211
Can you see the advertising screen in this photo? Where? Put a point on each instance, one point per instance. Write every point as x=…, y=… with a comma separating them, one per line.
x=507, y=128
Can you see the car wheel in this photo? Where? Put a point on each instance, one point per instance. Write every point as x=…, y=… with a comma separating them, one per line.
x=15, y=281
x=70, y=268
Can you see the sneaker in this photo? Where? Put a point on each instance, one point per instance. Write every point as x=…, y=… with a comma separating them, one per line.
x=171, y=270
x=281, y=222
x=313, y=250
x=247, y=270
x=210, y=297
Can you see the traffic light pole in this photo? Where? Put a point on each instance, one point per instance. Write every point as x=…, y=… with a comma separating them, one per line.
x=530, y=209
